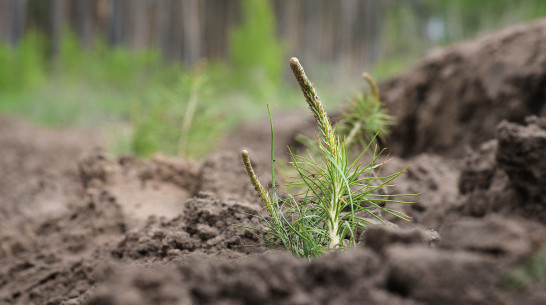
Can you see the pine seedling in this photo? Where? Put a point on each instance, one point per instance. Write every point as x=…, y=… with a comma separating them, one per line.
x=197, y=81
x=365, y=117
x=339, y=198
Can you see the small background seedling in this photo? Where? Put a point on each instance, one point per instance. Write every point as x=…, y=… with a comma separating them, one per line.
x=366, y=117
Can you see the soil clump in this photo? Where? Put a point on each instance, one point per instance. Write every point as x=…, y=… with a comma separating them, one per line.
x=455, y=97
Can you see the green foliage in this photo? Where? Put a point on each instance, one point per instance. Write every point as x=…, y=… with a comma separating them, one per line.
x=24, y=65
x=255, y=51
x=527, y=272
x=116, y=67
x=117, y=87
x=122, y=89
x=339, y=197
x=77, y=86
x=179, y=121
x=366, y=117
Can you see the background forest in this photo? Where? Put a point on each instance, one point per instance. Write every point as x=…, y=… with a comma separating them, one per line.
x=173, y=76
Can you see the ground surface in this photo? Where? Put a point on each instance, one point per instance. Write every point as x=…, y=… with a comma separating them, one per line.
x=79, y=227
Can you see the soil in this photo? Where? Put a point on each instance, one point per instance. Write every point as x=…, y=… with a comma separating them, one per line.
x=78, y=226
x=455, y=97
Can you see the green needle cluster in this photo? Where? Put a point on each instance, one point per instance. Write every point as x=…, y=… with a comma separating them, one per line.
x=365, y=117
x=338, y=198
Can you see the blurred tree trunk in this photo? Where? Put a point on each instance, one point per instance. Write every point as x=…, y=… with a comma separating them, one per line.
x=343, y=32
x=215, y=28
x=347, y=23
x=311, y=31
x=5, y=13
x=115, y=33
x=139, y=25
x=289, y=23
x=58, y=23
x=84, y=21
x=329, y=19
x=192, y=20
x=162, y=22
x=176, y=34
x=233, y=17
x=372, y=25
x=17, y=21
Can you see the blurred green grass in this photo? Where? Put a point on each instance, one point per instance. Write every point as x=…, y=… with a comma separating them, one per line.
x=140, y=100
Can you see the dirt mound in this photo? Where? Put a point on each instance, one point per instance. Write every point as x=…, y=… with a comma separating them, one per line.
x=508, y=175
x=405, y=270
x=207, y=225
x=37, y=167
x=182, y=247
x=142, y=188
x=55, y=259
x=434, y=179
x=68, y=215
x=456, y=96
x=275, y=278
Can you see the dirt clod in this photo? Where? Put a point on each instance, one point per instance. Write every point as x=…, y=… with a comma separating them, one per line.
x=455, y=97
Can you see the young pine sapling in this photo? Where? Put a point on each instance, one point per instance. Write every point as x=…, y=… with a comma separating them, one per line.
x=339, y=197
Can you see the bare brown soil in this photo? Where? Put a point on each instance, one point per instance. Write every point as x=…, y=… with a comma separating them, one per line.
x=455, y=97
x=80, y=227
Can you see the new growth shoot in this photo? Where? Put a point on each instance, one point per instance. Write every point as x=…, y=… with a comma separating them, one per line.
x=365, y=117
x=339, y=197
